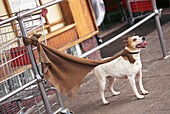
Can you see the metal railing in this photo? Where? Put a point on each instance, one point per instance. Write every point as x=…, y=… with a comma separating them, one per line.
x=161, y=38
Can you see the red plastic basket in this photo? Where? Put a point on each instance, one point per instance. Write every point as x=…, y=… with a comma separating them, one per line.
x=138, y=6
x=20, y=61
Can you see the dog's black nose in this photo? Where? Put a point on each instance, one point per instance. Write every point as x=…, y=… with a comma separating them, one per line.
x=143, y=38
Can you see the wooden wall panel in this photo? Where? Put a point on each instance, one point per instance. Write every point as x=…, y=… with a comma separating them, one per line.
x=66, y=11
x=88, y=11
x=63, y=38
x=82, y=16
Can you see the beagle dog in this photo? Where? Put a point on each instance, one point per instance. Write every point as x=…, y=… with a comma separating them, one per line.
x=126, y=65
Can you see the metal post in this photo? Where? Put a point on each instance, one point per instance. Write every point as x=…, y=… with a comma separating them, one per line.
x=34, y=65
x=131, y=19
x=161, y=38
x=123, y=11
x=58, y=97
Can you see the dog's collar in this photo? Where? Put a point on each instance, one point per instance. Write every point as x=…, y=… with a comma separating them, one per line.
x=129, y=56
x=133, y=52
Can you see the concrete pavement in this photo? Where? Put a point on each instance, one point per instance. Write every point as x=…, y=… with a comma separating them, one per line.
x=156, y=79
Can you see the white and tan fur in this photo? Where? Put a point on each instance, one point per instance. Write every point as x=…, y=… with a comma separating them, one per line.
x=122, y=68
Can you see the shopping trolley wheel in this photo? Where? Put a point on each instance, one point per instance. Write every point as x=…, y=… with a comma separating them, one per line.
x=131, y=21
x=71, y=112
x=68, y=112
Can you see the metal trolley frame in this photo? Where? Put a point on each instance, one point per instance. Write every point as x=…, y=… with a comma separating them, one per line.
x=137, y=9
x=20, y=69
x=155, y=14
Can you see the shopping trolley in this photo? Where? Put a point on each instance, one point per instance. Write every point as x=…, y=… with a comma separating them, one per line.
x=22, y=85
x=137, y=9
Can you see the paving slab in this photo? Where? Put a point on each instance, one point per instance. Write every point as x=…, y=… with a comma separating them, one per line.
x=156, y=79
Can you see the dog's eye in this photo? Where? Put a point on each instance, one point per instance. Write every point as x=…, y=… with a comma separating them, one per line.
x=134, y=39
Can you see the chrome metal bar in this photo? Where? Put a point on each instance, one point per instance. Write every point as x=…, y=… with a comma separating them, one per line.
x=137, y=0
x=3, y=67
x=35, y=68
x=34, y=28
x=118, y=36
x=30, y=11
x=12, y=59
x=58, y=97
x=8, y=20
x=141, y=16
x=17, y=90
x=43, y=29
x=159, y=29
x=41, y=7
x=3, y=81
x=130, y=11
x=37, y=105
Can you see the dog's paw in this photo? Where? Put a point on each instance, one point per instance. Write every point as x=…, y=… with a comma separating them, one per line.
x=145, y=92
x=140, y=96
x=106, y=103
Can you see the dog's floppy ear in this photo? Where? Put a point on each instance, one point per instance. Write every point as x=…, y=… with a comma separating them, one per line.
x=125, y=43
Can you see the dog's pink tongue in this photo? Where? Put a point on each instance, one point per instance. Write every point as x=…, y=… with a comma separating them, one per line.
x=144, y=43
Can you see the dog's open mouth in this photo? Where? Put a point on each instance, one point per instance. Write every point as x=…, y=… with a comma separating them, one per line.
x=142, y=45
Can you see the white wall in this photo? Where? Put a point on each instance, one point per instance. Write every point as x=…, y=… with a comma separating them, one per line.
x=54, y=14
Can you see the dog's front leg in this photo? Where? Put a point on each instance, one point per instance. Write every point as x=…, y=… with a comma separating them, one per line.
x=111, y=83
x=139, y=77
x=133, y=85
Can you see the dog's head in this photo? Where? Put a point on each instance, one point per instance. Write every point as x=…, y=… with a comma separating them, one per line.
x=135, y=43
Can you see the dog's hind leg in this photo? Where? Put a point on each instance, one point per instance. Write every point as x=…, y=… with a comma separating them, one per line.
x=111, y=83
x=139, y=77
x=102, y=84
x=133, y=85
